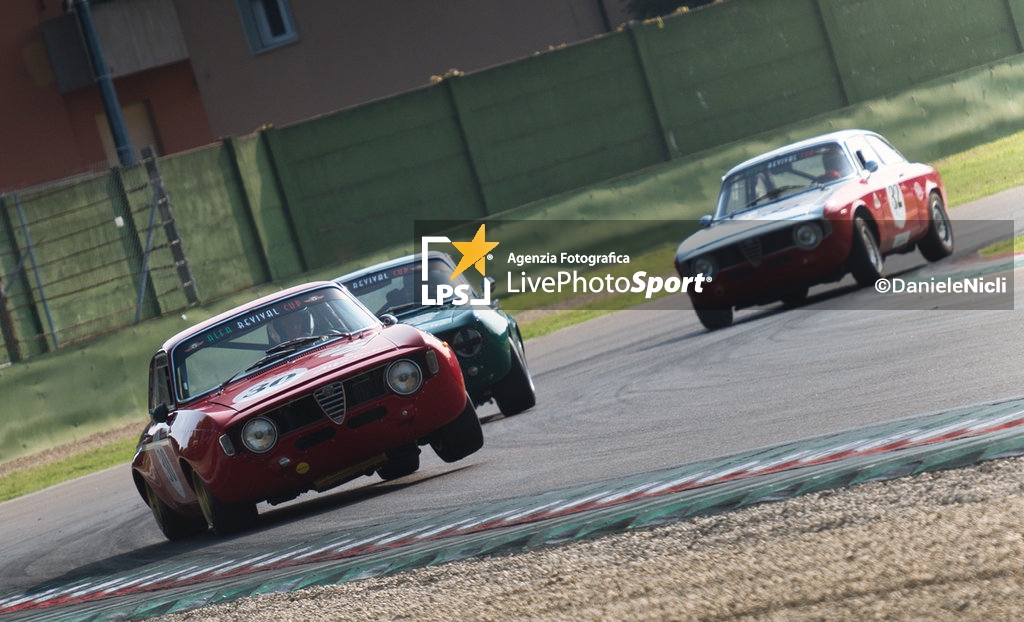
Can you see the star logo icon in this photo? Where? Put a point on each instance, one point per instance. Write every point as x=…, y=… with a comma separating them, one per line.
x=474, y=253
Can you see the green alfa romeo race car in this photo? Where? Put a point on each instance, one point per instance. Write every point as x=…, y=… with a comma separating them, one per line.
x=485, y=338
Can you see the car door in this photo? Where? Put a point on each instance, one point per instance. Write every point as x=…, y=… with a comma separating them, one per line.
x=884, y=195
x=911, y=190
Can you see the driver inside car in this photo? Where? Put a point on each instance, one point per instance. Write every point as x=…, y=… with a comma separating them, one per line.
x=836, y=165
x=293, y=326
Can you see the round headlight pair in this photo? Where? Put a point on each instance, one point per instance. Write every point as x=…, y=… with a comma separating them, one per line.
x=705, y=265
x=808, y=235
x=404, y=377
x=259, y=435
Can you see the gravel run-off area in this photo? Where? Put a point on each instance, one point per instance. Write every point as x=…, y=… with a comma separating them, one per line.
x=938, y=546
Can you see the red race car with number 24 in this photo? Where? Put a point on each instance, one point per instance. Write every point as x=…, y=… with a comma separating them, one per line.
x=809, y=213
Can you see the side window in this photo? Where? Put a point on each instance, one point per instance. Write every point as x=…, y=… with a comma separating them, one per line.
x=886, y=151
x=863, y=151
x=159, y=382
x=268, y=23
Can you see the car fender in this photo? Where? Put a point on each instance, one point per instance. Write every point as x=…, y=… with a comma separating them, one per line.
x=158, y=463
x=195, y=434
x=933, y=183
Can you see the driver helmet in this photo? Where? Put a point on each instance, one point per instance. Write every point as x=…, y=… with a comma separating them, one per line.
x=294, y=325
x=835, y=163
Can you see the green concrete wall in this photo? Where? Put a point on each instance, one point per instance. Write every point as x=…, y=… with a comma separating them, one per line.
x=738, y=68
x=883, y=46
x=353, y=179
x=557, y=121
x=214, y=220
x=936, y=76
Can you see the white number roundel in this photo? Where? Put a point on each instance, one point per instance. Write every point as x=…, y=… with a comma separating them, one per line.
x=897, y=205
x=269, y=385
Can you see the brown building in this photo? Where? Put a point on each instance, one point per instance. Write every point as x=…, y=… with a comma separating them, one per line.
x=188, y=71
x=52, y=121
x=281, y=61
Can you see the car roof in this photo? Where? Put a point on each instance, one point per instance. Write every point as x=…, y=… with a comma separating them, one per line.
x=253, y=304
x=840, y=136
x=392, y=263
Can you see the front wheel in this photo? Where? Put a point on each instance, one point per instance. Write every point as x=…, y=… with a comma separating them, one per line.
x=938, y=242
x=796, y=296
x=459, y=438
x=515, y=392
x=173, y=525
x=713, y=318
x=402, y=461
x=866, y=263
x=223, y=518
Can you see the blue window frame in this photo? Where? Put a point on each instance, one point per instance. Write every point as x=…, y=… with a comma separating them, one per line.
x=268, y=24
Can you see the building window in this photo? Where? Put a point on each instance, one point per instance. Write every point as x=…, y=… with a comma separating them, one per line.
x=268, y=24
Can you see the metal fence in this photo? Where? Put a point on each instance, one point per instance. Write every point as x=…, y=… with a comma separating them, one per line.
x=83, y=258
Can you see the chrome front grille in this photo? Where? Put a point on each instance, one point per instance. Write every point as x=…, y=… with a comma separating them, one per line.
x=331, y=399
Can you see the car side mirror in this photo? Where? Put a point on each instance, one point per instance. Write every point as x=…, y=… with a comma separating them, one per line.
x=388, y=319
x=871, y=165
x=705, y=221
x=160, y=413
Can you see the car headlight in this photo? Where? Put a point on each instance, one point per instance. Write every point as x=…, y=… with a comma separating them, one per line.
x=808, y=235
x=467, y=342
x=404, y=377
x=705, y=265
x=259, y=435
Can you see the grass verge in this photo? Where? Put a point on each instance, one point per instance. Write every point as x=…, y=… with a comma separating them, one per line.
x=1006, y=247
x=36, y=478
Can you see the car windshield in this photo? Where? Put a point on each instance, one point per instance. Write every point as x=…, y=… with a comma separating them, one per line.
x=260, y=336
x=399, y=289
x=784, y=175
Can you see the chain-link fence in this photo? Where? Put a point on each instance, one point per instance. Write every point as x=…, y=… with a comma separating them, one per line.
x=84, y=258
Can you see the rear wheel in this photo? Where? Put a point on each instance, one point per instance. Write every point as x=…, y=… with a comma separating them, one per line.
x=938, y=242
x=223, y=518
x=713, y=318
x=402, y=461
x=515, y=392
x=866, y=263
x=459, y=438
x=173, y=525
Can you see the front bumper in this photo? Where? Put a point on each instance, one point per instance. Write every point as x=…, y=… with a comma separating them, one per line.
x=756, y=272
x=316, y=451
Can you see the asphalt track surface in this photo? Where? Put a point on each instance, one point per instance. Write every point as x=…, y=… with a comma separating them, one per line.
x=630, y=393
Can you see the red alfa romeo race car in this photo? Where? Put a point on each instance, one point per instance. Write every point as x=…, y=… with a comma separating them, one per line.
x=809, y=213
x=301, y=390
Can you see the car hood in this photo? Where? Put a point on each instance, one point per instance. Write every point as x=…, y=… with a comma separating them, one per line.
x=438, y=319
x=313, y=366
x=809, y=205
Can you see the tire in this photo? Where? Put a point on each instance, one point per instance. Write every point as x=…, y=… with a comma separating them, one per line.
x=173, y=525
x=459, y=438
x=402, y=461
x=713, y=318
x=795, y=297
x=223, y=518
x=866, y=263
x=938, y=242
x=515, y=392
